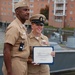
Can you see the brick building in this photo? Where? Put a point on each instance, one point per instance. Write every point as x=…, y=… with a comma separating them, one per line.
x=6, y=11
x=7, y=8
x=62, y=13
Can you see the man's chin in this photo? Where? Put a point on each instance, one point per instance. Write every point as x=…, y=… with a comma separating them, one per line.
x=27, y=18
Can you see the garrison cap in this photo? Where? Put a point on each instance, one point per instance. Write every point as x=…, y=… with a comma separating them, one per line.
x=38, y=19
x=22, y=3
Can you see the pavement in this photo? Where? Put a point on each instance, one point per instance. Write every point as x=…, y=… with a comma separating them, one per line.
x=2, y=34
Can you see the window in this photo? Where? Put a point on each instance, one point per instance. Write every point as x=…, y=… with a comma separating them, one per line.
x=31, y=0
x=71, y=5
x=71, y=12
x=9, y=8
x=48, y=1
x=42, y=0
x=42, y=5
x=4, y=13
x=4, y=2
x=9, y=3
x=31, y=11
x=31, y=5
x=52, y=5
x=52, y=11
x=17, y=0
x=30, y=15
x=71, y=18
x=72, y=0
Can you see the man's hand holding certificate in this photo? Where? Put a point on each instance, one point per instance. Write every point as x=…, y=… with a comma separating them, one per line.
x=43, y=54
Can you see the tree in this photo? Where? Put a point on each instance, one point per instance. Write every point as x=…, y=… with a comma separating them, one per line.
x=45, y=11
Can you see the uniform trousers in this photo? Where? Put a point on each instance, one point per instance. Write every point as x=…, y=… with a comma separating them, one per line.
x=42, y=69
x=19, y=67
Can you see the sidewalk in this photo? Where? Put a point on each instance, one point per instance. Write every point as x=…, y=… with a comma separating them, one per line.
x=2, y=34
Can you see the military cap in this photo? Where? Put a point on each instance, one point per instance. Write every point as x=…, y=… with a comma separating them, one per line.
x=20, y=4
x=38, y=19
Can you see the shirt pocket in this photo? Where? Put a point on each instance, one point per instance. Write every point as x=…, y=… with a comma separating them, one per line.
x=23, y=39
x=23, y=35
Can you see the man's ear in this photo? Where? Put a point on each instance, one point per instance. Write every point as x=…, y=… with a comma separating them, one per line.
x=17, y=11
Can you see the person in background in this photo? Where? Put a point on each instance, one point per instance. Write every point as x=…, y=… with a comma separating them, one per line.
x=16, y=48
x=36, y=38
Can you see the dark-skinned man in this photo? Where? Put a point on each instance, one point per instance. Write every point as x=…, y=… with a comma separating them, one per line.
x=16, y=49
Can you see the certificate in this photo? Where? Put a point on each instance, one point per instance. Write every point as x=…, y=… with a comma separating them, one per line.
x=42, y=54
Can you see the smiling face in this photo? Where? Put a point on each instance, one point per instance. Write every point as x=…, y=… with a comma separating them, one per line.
x=37, y=29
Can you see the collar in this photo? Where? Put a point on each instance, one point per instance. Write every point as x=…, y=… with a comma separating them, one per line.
x=33, y=36
x=20, y=24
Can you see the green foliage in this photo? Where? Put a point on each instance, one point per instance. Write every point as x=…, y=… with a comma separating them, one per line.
x=46, y=24
x=67, y=28
x=45, y=11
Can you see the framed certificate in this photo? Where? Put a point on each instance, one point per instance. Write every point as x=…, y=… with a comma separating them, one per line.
x=42, y=54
